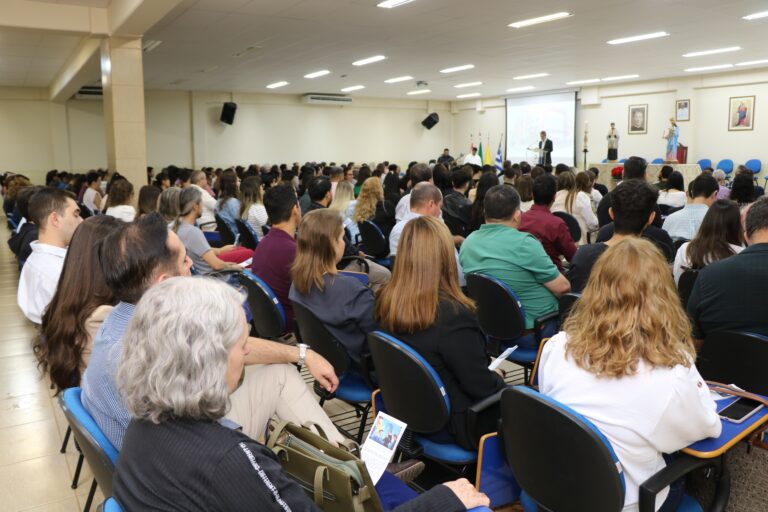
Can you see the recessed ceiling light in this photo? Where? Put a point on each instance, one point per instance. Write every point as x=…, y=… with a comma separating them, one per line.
x=581, y=82
x=458, y=68
x=540, y=19
x=709, y=68
x=642, y=37
x=389, y=4
x=277, y=85
x=317, y=74
x=418, y=91
x=353, y=88
x=398, y=79
x=755, y=16
x=713, y=52
x=526, y=77
x=369, y=60
x=521, y=89
x=468, y=84
x=470, y=95
x=622, y=77
x=753, y=62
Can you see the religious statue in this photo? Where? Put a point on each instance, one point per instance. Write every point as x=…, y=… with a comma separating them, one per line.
x=672, y=135
x=613, y=143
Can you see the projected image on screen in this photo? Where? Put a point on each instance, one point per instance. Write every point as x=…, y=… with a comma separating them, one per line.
x=528, y=116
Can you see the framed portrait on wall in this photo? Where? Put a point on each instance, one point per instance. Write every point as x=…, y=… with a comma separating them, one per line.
x=741, y=114
x=683, y=110
x=638, y=119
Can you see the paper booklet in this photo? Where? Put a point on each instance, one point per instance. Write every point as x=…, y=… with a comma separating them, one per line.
x=380, y=445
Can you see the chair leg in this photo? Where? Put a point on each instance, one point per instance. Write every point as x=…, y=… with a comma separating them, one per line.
x=66, y=440
x=77, y=471
x=361, y=428
x=91, y=494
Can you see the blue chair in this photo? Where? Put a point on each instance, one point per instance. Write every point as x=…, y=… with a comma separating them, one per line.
x=563, y=462
x=374, y=243
x=268, y=314
x=502, y=318
x=355, y=386
x=622, y=160
x=604, y=161
x=109, y=506
x=228, y=237
x=248, y=237
x=95, y=446
x=704, y=163
x=754, y=165
x=658, y=161
x=735, y=358
x=725, y=165
x=573, y=225
x=412, y=391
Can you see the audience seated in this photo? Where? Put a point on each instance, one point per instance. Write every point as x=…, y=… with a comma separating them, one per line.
x=424, y=306
x=56, y=214
x=343, y=303
x=207, y=220
x=499, y=249
x=392, y=191
x=418, y=173
x=585, y=181
x=723, y=192
x=570, y=199
x=486, y=182
x=228, y=205
x=344, y=203
x=362, y=176
x=524, y=187
x=192, y=351
x=729, y=294
x=598, y=186
x=81, y=303
x=92, y=195
x=149, y=197
x=743, y=190
x=673, y=195
x=720, y=236
x=168, y=204
x=455, y=203
x=319, y=191
x=632, y=212
x=548, y=229
x=119, y=199
x=625, y=360
x=252, y=208
x=634, y=169
x=372, y=206
x=206, y=259
x=684, y=224
x=136, y=257
x=664, y=174
x=26, y=233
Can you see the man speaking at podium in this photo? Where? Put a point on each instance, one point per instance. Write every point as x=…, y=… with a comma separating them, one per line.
x=545, y=145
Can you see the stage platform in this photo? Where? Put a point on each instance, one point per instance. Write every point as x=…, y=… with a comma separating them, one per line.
x=689, y=172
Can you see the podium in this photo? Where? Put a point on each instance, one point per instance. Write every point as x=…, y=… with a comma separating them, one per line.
x=682, y=154
x=539, y=154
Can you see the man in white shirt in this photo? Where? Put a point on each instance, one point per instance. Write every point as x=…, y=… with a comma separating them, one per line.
x=57, y=215
x=207, y=220
x=473, y=159
x=684, y=224
x=419, y=173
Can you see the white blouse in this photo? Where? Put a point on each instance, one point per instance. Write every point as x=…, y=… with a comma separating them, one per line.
x=673, y=199
x=582, y=211
x=655, y=411
x=257, y=217
x=124, y=212
x=682, y=261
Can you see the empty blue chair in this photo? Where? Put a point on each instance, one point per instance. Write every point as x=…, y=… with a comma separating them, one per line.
x=725, y=165
x=754, y=165
x=268, y=315
x=658, y=161
x=604, y=161
x=95, y=446
x=374, y=243
x=704, y=163
x=563, y=462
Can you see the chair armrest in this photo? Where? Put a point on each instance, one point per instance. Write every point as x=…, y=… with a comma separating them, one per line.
x=224, y=273
x=677, y=469
x=483, y=416
x=538, y=322
x=207, y=224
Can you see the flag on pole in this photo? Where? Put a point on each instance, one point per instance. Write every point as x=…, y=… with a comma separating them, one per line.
x=480, y=151
x=499, y=159
x=488, y=159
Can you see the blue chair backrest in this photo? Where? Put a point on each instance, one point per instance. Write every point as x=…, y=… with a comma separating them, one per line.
x=248, y=237
x=725, y=165
x=704, y=163
x=110, y=506
x=559, y=458
x=268, y=314
x=312, y=331
x=411, y=389
x=658, y=161
x=98, y=450
x=374, y=241
x=499, y=310
x=622, y=160
x=754, y=165
x=735, y=358
x=228, y=235
x=604, y=161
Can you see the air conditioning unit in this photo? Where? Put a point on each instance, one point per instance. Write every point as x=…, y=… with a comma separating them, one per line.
x=90, y=92
x=326, y=99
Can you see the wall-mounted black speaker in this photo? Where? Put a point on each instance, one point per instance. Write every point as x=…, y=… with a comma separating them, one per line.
x=430, y=121
x=228, y=112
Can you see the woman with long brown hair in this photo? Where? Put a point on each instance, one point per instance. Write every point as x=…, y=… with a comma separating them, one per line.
x=81, y=303
x=626, y=362
x=424, y=306
x=341, y=302
x=571, y=200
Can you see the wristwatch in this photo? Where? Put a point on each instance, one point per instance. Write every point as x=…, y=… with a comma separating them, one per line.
x=302, y=354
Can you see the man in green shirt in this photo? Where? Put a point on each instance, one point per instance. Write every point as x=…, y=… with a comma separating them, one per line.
x=514, y=257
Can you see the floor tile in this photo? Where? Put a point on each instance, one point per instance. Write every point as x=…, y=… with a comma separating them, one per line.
x=32, y=440
x=34, y=483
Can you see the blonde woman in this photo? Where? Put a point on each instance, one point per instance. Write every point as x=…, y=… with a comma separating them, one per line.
x=341, y=302
x=344, y=203
x=252, y=208
x=625, y=360
x=372, y=206
x=571, y=200
x=424, y=306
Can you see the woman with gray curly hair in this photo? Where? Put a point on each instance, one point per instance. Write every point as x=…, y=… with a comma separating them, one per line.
x=183, y=355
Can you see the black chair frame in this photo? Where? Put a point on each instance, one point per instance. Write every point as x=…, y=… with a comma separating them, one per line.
x=573, y=225
x=227, y=236
x=247, y=238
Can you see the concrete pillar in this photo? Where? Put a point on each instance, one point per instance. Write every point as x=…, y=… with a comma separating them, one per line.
x=122, y=77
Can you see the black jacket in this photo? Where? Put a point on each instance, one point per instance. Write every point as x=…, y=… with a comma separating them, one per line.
x=19, y=242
